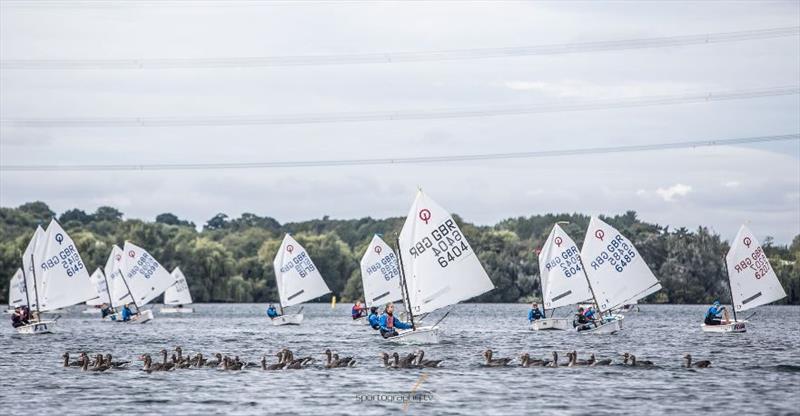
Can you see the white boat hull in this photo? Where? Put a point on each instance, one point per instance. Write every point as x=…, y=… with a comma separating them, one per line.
x=167, y=309
x=549, y=324
x=145, y=316
x=421, y=335
x=607, y=328
x=737, y=327
x=288, y=319
x=42, y=327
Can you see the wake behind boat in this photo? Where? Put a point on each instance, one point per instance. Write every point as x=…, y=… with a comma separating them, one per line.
x=752, y=282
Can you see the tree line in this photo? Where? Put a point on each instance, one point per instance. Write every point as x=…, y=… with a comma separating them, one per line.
x=230, y=259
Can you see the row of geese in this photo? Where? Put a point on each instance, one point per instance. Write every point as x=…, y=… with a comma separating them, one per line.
x=287, y=361
x=628, y=359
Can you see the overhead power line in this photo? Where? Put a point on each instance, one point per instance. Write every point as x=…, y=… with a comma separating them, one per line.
x=394, y=57
x=312, y=118
x=401, y=160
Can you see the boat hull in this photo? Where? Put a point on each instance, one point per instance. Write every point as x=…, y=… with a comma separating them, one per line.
x=91, y=311
x=736, y=327
x=607, y=328
x=422, y=335
x=167, y=309
x=42, y=327
x=551, y=324
x=288, y=319
x=145, y=316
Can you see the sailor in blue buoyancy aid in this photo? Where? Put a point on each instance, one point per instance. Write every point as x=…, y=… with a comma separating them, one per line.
x=388, y=322
x=374, y=319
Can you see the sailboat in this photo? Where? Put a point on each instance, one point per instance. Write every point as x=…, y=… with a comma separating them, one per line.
x=117, y=289
x=60, y=273
x=177, y=294
x=16, y=291
x=616, y=273
x=752, y=281
x=143, y=277
x=563, y=279
x=98, y=280
x=438, y=266
x=380, y=274
x=297, y=278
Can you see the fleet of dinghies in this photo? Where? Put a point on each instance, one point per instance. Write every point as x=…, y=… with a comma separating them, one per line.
x=297, y=278
x=433, y=268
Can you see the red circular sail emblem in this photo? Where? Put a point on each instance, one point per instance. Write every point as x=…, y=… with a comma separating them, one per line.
x=378, y=249
x=600, y=234
x=131, y=254
x=290, y=248
x=425, y=215
x=558, y=241
x=118, y=257
x=747, y=241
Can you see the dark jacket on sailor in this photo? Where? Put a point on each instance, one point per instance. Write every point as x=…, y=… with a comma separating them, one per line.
x=374, y=321
x=535, y=314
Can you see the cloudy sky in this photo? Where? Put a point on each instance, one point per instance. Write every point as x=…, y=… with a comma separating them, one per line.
x=721, y=187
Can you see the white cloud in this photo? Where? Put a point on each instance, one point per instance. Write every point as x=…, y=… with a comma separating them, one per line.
x=677, y=190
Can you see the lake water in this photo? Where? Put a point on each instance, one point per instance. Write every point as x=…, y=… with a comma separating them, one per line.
x=753, y=373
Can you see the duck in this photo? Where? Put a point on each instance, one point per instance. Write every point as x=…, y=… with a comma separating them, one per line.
x=117, y=365
x=215, y=363
x=344, y=362
x=687, y=362
x=553, y=363
x=595, y=362
x=496, y=362
x=272, y=367
x=634, y=363
x=76, y=363
x=427, y=363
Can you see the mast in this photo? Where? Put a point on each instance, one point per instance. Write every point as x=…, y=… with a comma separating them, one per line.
x=25, y=282
x=108, y=292
x=35, y=290
x=407, y=297
x=730, y=287
x=596, y=303
x=122, y=276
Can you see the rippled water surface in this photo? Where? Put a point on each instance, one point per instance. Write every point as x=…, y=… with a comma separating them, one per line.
x=753, y=373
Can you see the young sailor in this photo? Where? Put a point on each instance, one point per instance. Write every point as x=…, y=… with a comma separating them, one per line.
x=127, y=315
x=374, y=319
x=713, y=315
x=589, y=314
x=19, y=318
x=535, y=313
x=272, y=312
x=581, y=321
x=388, y=322
x=357, y=311
x=105, y=310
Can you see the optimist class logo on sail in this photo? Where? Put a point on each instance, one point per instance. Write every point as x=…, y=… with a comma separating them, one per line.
x=301, y=263
x=445, y=242
x=617, y=254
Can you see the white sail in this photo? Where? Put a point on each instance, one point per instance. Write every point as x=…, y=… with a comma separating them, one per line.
x=98, y=280
x=753, y=282
x=145, y=277
x=439, y=265
x=178, y=293
x=563, y=278
x=113, y=272
x=65, y=280
x=27, y=267
x=380, y=274
x=297, y=277
x=617, y=273
x=16, y=290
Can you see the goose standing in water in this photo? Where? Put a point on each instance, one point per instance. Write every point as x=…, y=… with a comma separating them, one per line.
x=594, y=362
x=687, y=362
x=427, y=363
x=495, y=362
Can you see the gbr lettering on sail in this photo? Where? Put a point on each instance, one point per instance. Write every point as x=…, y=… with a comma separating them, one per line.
x=445, y=242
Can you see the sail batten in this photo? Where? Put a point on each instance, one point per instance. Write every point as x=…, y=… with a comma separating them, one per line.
x=753, y=281
x=617, y=272
x=380, y=274
x=297, y=277
x=439, y=265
